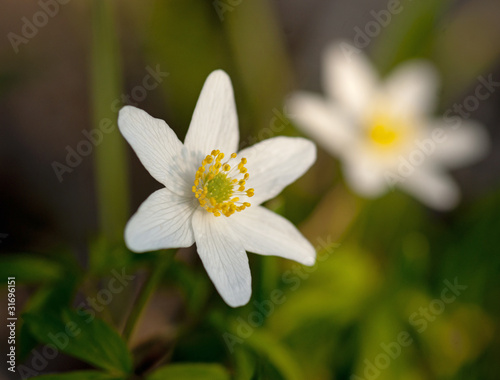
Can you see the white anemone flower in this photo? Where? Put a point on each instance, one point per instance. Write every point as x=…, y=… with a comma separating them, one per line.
x=212, y=194
x=383, y=131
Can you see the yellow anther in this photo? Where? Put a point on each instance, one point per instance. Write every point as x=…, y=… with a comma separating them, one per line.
x=218, y=188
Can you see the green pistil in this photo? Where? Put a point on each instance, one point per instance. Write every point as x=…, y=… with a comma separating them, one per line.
x=220, y=188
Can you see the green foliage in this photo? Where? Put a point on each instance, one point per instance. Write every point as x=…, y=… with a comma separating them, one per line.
x=79, y=334
x=81, y=375
x=29, y=268
x=410, y=33
x=190, y=371
x=54, y=295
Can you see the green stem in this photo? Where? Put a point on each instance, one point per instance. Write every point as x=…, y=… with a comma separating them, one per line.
x=110, y=153
x=147, y=291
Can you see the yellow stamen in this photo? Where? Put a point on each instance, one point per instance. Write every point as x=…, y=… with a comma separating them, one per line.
x=219, y=191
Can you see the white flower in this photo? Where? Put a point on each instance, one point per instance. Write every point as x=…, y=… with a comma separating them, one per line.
x=383, y=132
x=212, y=195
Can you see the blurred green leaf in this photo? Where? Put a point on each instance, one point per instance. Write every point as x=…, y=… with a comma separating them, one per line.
x=29, y=268
x=266, y=80
x=80, y=375
x=339, y=287
x=186, y=40
x=409, y=34
x=195, y=287
x=79, y=334
x=52, y=298
x=105, y=256
x=245, y=364
x=266, y=346
x=194, y=371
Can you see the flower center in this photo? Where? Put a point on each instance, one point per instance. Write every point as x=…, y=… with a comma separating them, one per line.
x=384, y=135
x=218, y=186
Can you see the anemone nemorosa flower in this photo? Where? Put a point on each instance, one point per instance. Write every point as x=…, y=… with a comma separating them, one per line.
x=212, y=193
x=383, y=131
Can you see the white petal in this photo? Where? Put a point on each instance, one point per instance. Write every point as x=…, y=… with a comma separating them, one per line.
x=158, y=148
x=412, y=88
x=267, y=233
x=162, y=221
x=434, y=189
x=349, y=77
x=461, y=146
x=363, y=175
x=275, y=163
x=215, y=122
x=223, y=257
x=321, y=121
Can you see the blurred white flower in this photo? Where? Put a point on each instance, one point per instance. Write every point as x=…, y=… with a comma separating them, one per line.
x=211, y=197
x=383, y=131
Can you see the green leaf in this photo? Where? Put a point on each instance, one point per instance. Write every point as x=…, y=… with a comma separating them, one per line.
x=195, y=371
x=53, y=297
x=29, y=268
x=245, y=364
x=80, y=375
x=79, y=334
